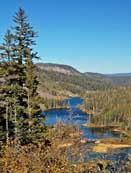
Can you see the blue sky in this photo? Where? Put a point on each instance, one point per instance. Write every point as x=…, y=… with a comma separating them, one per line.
x=91, y=35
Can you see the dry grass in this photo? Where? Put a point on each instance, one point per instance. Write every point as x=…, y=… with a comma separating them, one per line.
x=104, y=147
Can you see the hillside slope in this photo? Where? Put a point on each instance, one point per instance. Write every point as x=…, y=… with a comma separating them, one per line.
x=57, y=79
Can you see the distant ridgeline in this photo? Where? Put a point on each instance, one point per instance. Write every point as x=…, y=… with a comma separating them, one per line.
x=57, y=79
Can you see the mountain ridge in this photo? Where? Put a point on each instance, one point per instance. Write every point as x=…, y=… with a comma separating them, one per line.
x=62, y=68
x=60, y=79
x=126, y=74
x=119, y=75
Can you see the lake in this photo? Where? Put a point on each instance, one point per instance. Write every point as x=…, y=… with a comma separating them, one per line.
x=77, y=117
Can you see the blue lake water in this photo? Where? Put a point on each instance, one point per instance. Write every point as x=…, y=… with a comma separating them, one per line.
x=77, y=117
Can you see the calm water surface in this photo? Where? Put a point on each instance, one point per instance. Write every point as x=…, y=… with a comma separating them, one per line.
x=76, y=116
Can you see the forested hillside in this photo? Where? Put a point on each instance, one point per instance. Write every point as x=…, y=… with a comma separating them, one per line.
x=110, y=108
x=62, y=79
x=56, y=79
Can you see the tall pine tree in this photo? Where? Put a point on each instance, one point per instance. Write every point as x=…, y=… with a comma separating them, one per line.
x=10, y=88
x=24, y=42
x=22, y=119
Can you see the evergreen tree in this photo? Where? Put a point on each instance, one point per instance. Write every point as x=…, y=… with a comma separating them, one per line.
x=10, y=89
x=24, y=41
x=5, y=61
x=19, y=105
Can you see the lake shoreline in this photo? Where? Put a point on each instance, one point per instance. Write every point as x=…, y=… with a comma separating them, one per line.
x=114, y=128
x=106, y=145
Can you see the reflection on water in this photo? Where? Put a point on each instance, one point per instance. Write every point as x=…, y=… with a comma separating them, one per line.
x=76, y=116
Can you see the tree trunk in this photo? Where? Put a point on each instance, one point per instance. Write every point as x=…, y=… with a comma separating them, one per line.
x=7, y=124
x=29, y=113
x=16, y=131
